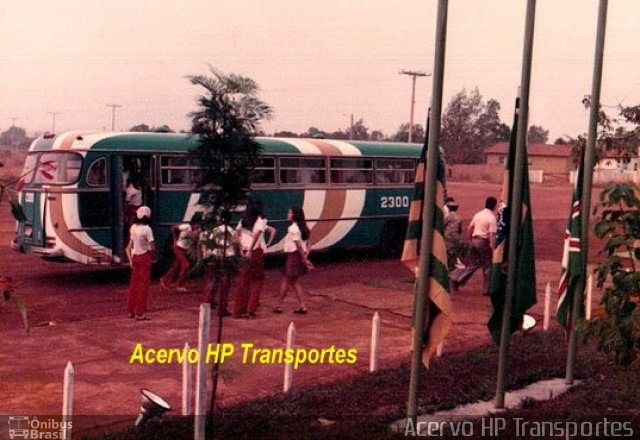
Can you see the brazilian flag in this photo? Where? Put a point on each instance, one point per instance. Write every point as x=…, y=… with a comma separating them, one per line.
x=524, y=295
x=437, y=312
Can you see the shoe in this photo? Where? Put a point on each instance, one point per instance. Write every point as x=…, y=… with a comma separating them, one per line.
x=300, y=311
x=455, y=286
x=164, y=285
x=251, y=315
x=131, y=316
x=276, y=310
x=240, y=316
x=143, y=318
x=181, y=289
x=224, y=313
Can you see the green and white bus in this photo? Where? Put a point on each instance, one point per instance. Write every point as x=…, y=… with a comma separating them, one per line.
x=354, y=194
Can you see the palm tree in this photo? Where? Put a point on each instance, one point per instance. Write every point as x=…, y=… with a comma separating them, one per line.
x=226, y=122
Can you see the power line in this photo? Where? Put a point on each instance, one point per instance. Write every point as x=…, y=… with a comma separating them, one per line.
x=413, y=74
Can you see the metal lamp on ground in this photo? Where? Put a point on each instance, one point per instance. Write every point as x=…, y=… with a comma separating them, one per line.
x=152, y=406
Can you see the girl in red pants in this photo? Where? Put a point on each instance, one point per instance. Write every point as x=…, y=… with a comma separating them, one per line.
x=177, y=273
x=251, y=230
x=140, y=252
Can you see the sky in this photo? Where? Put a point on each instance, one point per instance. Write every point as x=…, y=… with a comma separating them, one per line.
x=316, y=62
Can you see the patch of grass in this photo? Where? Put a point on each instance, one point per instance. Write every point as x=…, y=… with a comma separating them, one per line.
x=364, y=406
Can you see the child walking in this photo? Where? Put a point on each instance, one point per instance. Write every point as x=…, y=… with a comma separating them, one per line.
x=296, y=248
x=140, y=253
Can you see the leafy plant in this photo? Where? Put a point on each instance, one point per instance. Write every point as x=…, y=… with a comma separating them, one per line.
x=618, y=332
x=226, y=122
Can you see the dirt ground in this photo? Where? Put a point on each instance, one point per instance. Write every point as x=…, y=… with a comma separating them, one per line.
x=77, y=314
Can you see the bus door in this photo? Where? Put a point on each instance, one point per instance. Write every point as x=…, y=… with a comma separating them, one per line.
x=117, y=207
x=31, y=231
x=139, y=169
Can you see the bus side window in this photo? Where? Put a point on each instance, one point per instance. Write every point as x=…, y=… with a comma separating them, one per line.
x=395, y=171
x=97, y=173
x=297, y=171
x=348, y=170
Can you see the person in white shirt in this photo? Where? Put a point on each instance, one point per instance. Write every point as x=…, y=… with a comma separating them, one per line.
x=251, y=230
x=133, y=198
x=219, y=247
x=185, y=234
x=140, y=253
x=482, y=231
x=296, y=248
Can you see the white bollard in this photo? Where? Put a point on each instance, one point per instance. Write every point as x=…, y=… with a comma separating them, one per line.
x=375, y=343
x=588, y=298
x=288, y=368
x=439, y=349
x=67, y=402
x=201, y=376
x=547, y=307
x=187, y=375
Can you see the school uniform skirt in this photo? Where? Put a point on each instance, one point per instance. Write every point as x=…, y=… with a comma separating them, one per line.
x=294, y=266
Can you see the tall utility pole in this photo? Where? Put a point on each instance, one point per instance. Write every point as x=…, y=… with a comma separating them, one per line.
x=113, y=115
x=53, y=124
x=413, y=74
x=13, y=131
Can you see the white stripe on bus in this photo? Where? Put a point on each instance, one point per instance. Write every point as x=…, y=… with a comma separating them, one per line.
x=192, y=207
x=353, y=208
x=303, y=146
x=312, y=206
x=346, y=148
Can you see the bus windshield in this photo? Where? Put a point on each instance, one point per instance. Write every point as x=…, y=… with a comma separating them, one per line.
x=52, y=168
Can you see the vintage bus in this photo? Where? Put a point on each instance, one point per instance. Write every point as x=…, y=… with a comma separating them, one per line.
x=354, y=194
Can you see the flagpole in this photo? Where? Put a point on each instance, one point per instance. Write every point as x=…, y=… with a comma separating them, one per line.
x=515, y=202
x=589, y=162
x=422, y=285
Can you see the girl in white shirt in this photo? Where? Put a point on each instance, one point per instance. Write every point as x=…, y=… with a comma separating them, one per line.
x=251, y=230
x=140, y=252
x=296, y=248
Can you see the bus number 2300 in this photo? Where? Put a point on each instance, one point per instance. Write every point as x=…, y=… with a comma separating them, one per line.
x=394, y=201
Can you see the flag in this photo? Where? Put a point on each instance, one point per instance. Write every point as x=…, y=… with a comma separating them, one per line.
x=572, y=268
x=524, y=295
x=437, y=312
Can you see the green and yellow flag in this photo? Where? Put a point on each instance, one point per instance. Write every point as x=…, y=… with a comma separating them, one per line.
x=524, y=295
x=437, y=321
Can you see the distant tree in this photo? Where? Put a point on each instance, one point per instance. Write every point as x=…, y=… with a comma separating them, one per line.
x=140, y=128
x=537, y=135
x=560, y=141
x=163, y=129
x=359, y=131
x=402, y=135
x=16, y=138
x=311, y=132
x=285, y=134
x=614, y=137
x=340, y=135
x=469, y=125
x=377, y=135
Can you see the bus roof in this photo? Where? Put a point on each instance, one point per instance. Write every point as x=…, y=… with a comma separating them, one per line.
x=180, y=142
